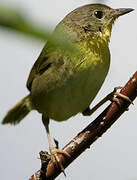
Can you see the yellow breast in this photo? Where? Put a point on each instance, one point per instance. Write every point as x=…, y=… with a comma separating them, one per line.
x=79, y=91
x=77, y=86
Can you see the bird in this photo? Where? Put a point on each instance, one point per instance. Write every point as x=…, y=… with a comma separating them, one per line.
x=62, y=84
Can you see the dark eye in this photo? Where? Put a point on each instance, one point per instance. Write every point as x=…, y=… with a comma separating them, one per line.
x=98, y=14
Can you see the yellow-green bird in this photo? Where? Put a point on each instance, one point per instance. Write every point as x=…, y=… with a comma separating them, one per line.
x=62, y=84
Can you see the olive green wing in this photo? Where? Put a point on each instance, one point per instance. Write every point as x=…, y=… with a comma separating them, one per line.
x=43, y=62
x=49, y=54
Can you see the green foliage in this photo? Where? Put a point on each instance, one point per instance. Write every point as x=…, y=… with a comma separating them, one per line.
x=15, y=20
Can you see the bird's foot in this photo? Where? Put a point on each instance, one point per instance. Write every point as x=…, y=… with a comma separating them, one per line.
x=55, y=158
x=116, y=94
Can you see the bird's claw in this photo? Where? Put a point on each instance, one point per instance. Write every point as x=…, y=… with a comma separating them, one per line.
x=55, y=158
x=118, y=94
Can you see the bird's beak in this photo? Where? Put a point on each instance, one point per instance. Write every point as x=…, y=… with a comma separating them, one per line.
x=121, y=12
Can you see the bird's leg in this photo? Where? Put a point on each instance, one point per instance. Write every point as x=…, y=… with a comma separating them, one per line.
x=111, y=97
x=53, y=150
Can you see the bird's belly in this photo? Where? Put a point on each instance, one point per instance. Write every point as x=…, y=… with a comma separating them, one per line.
x=71, y=88
x=74, y=96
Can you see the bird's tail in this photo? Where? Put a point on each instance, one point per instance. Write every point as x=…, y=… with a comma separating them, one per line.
x=18, y=112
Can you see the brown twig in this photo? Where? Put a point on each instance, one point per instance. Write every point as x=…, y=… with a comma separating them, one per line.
x=94, y=130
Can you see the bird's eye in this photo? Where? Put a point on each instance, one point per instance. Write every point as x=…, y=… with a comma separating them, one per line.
x=98, y=14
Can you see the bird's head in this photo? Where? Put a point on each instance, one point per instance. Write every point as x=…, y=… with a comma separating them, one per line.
x=91, y=21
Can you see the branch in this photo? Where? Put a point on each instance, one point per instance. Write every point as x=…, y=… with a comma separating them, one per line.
x=93, y=131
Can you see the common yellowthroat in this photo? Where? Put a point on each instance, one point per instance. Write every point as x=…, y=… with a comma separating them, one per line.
x=61, y=84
